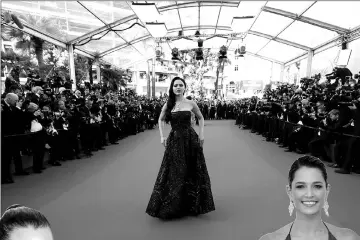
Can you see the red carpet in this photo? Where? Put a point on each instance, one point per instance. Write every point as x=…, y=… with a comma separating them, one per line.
x=104, y=197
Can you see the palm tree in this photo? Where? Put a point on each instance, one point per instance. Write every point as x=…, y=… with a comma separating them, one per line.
x=220, y=69
x=113, y=78
x=25, y=43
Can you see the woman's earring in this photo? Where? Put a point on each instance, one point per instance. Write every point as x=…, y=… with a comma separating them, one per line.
x=291, y=207
x=326, y=208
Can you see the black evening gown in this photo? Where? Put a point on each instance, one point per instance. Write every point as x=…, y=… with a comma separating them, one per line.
x=182, y=187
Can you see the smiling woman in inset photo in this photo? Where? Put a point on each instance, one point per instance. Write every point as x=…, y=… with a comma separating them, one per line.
x=308, y=190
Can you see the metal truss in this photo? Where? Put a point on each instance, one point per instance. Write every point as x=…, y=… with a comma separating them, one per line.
x=352, y=35
x=161, y=9
x=344, y=34
x=198, y=4
x=280, y=40
x=207, y=27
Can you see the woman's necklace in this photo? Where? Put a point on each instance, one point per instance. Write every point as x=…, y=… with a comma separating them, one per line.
x=177, y=105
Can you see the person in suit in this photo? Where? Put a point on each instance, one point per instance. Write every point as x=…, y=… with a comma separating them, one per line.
x=352, y=143
x=35, y=95
x=34, y=124
x=308, y=190
x=9, y=129
x=330, y=124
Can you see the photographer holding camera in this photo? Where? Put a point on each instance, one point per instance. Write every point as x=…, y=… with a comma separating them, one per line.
x=351, y=159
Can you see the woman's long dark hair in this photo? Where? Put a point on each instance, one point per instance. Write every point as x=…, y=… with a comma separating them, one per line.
x=171, y=99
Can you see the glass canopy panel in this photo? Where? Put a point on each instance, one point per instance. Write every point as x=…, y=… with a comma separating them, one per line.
x=280, y=52
x=146, y=47
x=102, y=9
x=296, y=7
x=118, y=40
x=171, y=19
x=255, y=43
x=99, y=45
x=339, y=13
x=132, y=33
x=108, y=11
x=249, y=8
x=226, y=16
x=54, y=7
x=80, y=21
x=314, y=35
x=325, y=61
x=24, y=6
x=121, y=10
x=162, y=3
x=271, y=24
x=189, y=16
x=209, y=16
x=123, y=56
x=56, y=11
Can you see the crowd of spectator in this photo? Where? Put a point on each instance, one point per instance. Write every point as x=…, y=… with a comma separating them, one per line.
x=320, y=117
x=67, y=124
x=39, y=117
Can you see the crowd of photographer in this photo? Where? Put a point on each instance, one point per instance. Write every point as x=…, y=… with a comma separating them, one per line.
x=67, y=124
x=318, y=118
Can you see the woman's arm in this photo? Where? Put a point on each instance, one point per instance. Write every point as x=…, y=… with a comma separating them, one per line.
x=161, y=121
x=200, y=117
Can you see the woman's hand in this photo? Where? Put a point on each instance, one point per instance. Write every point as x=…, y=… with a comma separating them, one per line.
x=163, y=141
x=201, y=139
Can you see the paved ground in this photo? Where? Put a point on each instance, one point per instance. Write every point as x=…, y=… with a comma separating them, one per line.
x=105, y=196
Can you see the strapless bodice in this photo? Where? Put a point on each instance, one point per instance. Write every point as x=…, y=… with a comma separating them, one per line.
x=180, y=119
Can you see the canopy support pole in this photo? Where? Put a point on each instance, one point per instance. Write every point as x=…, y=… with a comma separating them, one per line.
x=153, y=78
x=309, y=63
x=70, y=49
x=282, y=72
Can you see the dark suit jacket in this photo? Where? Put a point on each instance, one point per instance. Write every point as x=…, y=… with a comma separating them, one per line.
x=12, y=121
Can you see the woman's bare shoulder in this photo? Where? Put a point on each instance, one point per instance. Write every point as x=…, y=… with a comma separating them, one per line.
x=190, y=103
x=342, y=233
x=279, y=234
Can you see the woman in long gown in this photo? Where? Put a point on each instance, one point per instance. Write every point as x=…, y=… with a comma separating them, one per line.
x=182, y=187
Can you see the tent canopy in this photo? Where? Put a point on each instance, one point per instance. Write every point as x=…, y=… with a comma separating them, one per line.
x=280, y=30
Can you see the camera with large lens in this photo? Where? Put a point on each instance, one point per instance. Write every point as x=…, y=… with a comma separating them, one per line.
x=356, y=76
